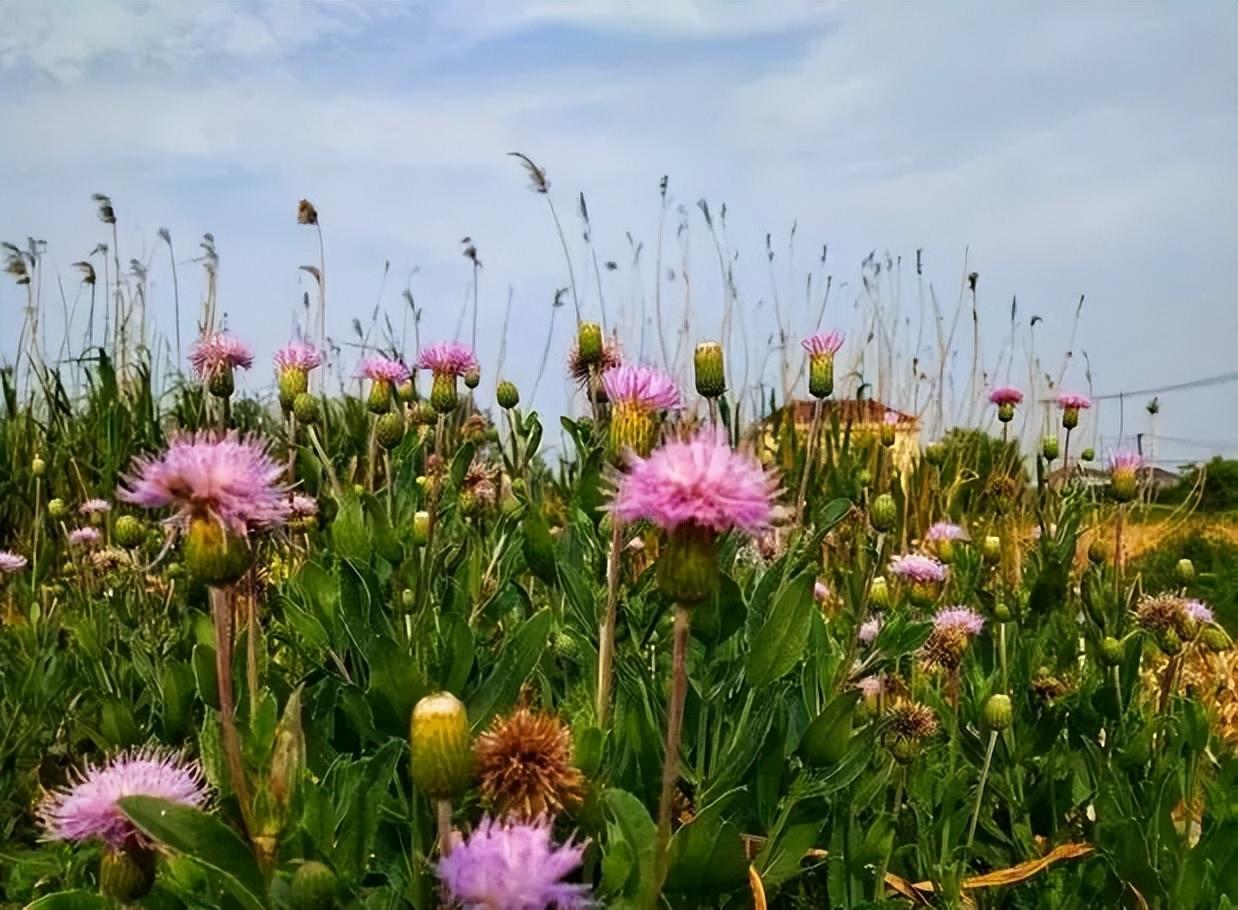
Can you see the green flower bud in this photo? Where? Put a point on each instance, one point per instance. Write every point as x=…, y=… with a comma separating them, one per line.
x=1070, y=418
x=1214, y=638
x=126, y=875
x=710, y=369
x=379, y=401
x=507, y=395
x=292, y=382
x=314, y=887
x=421, y=528
x=1185, y=570
x=472, y=378
x=883, y=513
x=1049, y=447
x=1112, y=651
x=821, y=375
x=589, y=343
x=407, y=599
x=1168, y=640
x=992, y=548
x=1088, y=454
x=687, y=570
x=38, y=467
x=221, y=384
x=443, y=394
x=389, y=429
x=1097, y=552
x=442, y=749
x=306, y=409
x=998, y=713
x=879, y=593
x=904, y=749
x=633, y=428
x=1005, y=411
x=1001, y=613
x=56, y=508
x=129, y=531
x=935, y=454
x=214, y=555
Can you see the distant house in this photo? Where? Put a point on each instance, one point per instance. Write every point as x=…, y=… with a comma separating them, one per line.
x=1153, y=479
x=863, y=418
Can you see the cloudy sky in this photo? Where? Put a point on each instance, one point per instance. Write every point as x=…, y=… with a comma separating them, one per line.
x=1067, y=150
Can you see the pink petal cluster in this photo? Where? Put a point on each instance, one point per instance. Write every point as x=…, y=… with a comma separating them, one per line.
x=89, y=809
x=507, y=865
x=303, y=506
x=95, y=507
x=11, y=562
x=915, y=567
x=871, y=686
x=213, y=354
x=1005, y=394
x=1073, y=401
x=943, y=530
x=642, y=387
x=297, y=355
x=450, y=358
x=963, y=618
x=84, y=537
x=700, y=481
x=1198, y=611
x=891, y=418
x=823, y=343
x=225, y=478
x=1121, y=462
x=383, y=369
x=820, y=591
x=869, y=629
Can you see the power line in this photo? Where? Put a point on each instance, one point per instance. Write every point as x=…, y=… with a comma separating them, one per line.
x=1219, y=379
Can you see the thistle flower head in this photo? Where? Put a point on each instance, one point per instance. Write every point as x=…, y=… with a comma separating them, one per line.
x=827, y=343
x=890, y=418
x=1160, y=612
x=1125, y=463
x=297, y=355
x=382, y=369
x=506, y=865
x=447, y=358
x=869, y=629
x=641, y=387
x=219, y=353
x=88, y=809
x=912, y=720
x=1005, y=394
x=84, y=537
x=581, y=369
x=1199, y=611
x=915, y=567
x=229, y=479
x=11, y=562
x=871, y=686
x=1073, y=401
x=700, y=481
x=524, y=765
x=302, y=506
x=963, y=618
x=943, y=530
x=94, y=507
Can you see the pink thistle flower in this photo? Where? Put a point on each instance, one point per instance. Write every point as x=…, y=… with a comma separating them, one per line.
x=84, y=537
x=95, y=507
x=641, y=387
x=1005, y=394
x=303, y=506
x=943, y=530
x=89, y=808
x=297, y=355
x=915, y=567
x=827, y=343
x=1125, y=462
x=447, y=358
x=964, y=618
x=223, y=478
x=701, y=481
x=871, y=686
x=219, y=353
x=507, y=865
x=383, y=369
x=820, y=592
x=1198, y=611
x=11, y=562
x=1073, y=401
x=869, y=629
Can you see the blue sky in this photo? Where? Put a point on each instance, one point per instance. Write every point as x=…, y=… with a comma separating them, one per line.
x=1084, y=149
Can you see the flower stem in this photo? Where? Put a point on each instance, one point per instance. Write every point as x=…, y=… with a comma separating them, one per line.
x=808, y=456
x=606, y=634
x=674, y=728
x=984, y=776
x=443, y=811
x=221, y=611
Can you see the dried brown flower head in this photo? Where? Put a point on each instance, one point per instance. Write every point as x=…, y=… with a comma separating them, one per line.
x=945, y=648
x=912, y=720
x=583, y=373
x=1161, y=612
x=524, y=765
x=306, y=213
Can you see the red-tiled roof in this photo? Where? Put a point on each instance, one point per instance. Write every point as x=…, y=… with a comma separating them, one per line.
x=851, y=410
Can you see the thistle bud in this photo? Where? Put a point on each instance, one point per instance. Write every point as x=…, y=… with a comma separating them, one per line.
x=992, y=548
x=306, y=409
x=379, y=401
x=1214, y=638
x=56, y=508
x=129, y=531
x=407, y=599
x=904, y=749
x=443, y=394
x=883, y=513
x=314, y=887
x=126, y=875
x=879, y=593
x=1185, y=570
x=935, y=454
x=1088, y=454
x=292, y=381
x=421, y=528
x=1070, y=418
x=442, y=749
x=1049, y=447
x=633, y=428
x=1097, y=552
x=38, y=467
x=1112, y=651
x=688, y=569
x=389, y=429
x=472, y=377
x=589, y=343
x=422, y=414
x=821, y=375
x=1005, y=411
x=507, y=395
x=214, y=555
x=221, y=384
x=1001, y=613
x=710, y=369
x=887, y=435
x=998, y=713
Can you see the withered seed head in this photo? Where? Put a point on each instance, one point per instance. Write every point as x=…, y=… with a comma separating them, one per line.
x=524, y=765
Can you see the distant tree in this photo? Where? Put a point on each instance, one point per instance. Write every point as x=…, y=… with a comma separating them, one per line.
x=1220, y=492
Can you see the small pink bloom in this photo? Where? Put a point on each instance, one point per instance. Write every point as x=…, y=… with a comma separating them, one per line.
x=943, y=530
x=1199, y=611
x=914, y=567
x=383, y=369
x=963, y=618
x=1073, y=401
x=827, y=343
x=304, y=506
x=820, y=592
x=297, y=355
x=217, y=353
x=868, y=630
x=84, y=537
x=1005, y=394
x=11, y=562
x=450, y=358
x=95, y=507
x=700, y=481
x=1124, y=462
x=871, y=686
x=642, y=387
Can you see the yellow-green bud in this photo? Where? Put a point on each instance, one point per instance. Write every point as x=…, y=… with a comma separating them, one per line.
x=38, y=467
x=221, y=383
x=992, y=548
x=1049, y=447
x=443, y=394
x=710, y=369
x=1214, y=638
x=507, y=395
x=1070, y=418
x=129, y=531
x=56, y=508
x=472, y=377
x=887, y=434
x=1001, y=613
x=904, y=749
x=1005, y=411
x=589, y=343
x=292, y=382
x=306, y=409
x=821, y=375
x=389, y=429
x=998, y=712
x=1185, y=570
x=883, y=513
x=379, y=401
x=935, y=454
x=213, y=555
x=407, y=599
x=879, y=593
x=421, y=527
x=1097, y=552
x=1087, y=454
x=442, y=749
x=1168, y=640
x=126, y=875
x=314, y=887
x=1112, y=651
x=688, y=569
x=634, y=428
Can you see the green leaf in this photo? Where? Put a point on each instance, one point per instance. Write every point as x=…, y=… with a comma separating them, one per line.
x=460, y=463
x=630, y=830
x=826, y=739
x=780, y=860
x=206, y=839
x=71, y=900
x=348, y=531
x=516, y=664
x=360, y=788
x=539, y=547
x=707, y=854
x=722, y=615
x=780, y=643
x=205, y=675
